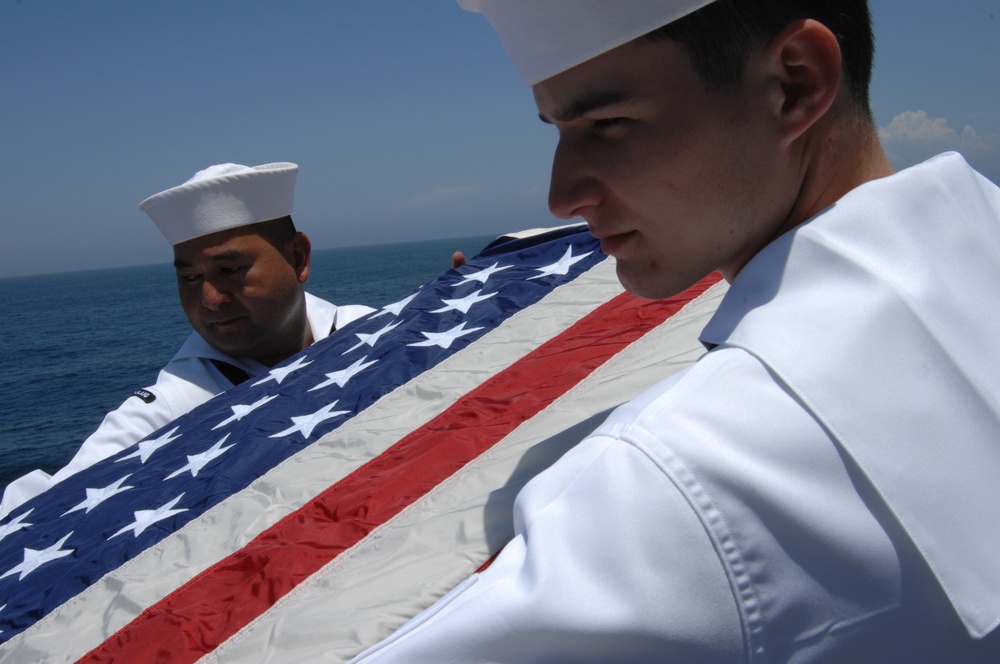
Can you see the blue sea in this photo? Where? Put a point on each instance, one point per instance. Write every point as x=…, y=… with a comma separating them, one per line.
x=76, y=344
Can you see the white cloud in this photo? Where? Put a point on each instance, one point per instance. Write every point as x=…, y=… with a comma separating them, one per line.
x=914, y=127
x=913, y=137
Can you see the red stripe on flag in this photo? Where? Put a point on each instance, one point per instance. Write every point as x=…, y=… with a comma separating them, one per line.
x=198, y=616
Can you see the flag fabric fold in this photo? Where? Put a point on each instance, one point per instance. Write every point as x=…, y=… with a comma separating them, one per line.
x=307, y=514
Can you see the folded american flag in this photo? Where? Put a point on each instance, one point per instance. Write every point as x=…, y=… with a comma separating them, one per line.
x=308, y=514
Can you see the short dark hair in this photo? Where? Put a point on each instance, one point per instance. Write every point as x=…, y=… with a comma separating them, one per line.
x=276, y=231
x=720, y=37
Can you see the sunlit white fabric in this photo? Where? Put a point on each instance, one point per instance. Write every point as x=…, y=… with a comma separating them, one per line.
x=546, y=37
x=222, y=197
x=882, y=315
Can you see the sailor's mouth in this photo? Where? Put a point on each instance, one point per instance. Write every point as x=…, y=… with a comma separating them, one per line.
x=612, y=244
x=226, y=323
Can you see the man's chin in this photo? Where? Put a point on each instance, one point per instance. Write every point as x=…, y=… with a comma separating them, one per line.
x=649, y=287
x=234, y=345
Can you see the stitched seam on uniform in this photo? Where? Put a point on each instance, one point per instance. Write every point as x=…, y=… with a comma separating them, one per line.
x=727, y=548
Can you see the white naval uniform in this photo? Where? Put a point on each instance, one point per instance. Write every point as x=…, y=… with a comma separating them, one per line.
x=187, y=381
x=822, y=486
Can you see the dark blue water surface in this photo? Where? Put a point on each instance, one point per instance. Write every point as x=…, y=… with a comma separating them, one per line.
x=75, y=345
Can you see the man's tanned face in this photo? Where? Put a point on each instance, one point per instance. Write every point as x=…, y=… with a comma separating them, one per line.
x=243, y=294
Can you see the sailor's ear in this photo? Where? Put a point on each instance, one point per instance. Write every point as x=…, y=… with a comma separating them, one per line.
x=300, y=253
x=803, y=67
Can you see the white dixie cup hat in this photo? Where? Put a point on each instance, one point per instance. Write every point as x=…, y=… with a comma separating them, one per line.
x=546, y=37
x=222, y=197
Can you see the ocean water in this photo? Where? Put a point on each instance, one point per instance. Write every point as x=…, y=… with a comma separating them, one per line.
x=75, y=345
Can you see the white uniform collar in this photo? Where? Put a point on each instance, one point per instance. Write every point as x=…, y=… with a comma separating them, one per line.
x=881, y=315
x=322, y=315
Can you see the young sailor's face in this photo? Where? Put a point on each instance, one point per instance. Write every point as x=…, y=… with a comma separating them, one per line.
x=243, y=295
x=675, y=179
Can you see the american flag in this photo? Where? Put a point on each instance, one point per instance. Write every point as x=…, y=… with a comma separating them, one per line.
x=308, y=514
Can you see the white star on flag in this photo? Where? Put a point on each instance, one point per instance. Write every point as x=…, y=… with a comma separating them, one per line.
x=444, y=339
x=341, y=377
x=372, y=339
x=146, y=518
x=198, y=461
x=463, y=304
x=147, y=447
x=482, y=275
x=281, y=373
x=33, y=559
x=305, y=424
x=242, y=410
x=561, y=266
x=97, y=496
x=16, y=524
x=396, y=307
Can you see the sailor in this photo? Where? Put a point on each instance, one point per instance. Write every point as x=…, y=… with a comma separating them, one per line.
x=821, y=486
x=241, y=270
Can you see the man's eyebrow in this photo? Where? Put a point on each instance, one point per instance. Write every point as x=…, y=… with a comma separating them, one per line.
x=600, y=101
x=231, y=255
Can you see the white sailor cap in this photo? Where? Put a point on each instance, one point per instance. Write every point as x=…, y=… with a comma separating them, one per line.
x=546, y=37
x=222, y=197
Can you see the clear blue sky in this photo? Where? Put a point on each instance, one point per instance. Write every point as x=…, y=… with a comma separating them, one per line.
x=405, y=116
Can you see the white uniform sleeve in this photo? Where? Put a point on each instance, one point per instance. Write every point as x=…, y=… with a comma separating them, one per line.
x=707, y=519
x=610, y=564
x=125, y=426
x=23, y=489
x=121, y=428
x=180, y=387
